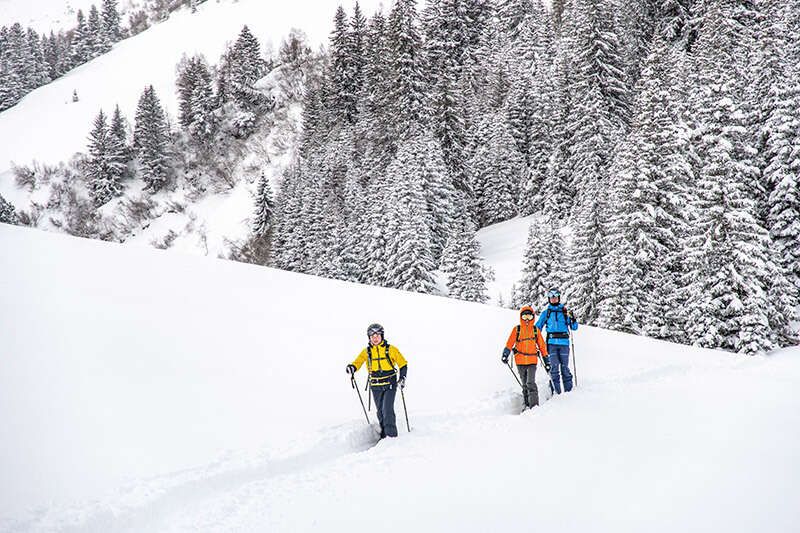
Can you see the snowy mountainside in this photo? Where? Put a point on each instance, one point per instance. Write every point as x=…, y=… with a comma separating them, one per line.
x=44, y=15
x=151, y=391
x=47, y=127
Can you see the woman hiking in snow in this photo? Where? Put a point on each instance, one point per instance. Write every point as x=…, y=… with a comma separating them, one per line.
x=528, y=346
x=558, y=321
x=383, y=361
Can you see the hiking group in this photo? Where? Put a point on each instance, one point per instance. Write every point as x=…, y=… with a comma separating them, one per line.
x=387, y=368
x=528, y=346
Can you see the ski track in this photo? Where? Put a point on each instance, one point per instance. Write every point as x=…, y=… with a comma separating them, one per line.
x=228, y=486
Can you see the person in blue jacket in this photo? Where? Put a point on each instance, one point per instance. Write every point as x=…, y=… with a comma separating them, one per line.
x=558, y=321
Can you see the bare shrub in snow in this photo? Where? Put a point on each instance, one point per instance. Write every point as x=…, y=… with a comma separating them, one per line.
x=78, y=217
x=164, y=242
x=136, y=210
x=25, y=176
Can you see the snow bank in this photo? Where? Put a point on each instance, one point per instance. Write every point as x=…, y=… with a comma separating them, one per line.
x=151, y=391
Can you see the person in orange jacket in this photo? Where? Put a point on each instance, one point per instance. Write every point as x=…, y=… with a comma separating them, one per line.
x=528, y=346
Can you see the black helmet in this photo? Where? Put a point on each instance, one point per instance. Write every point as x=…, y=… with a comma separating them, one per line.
x=374, y=328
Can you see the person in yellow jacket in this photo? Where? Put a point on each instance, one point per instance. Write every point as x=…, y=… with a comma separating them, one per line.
x=528, y=346
x=383, y=363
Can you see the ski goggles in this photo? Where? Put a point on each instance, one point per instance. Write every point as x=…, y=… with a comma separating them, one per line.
x=554, y=294
x=526, y=316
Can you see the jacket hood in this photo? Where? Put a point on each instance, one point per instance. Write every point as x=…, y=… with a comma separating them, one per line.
x=526, y=309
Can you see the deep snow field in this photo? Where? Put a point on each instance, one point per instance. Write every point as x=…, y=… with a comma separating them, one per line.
x=143, y=390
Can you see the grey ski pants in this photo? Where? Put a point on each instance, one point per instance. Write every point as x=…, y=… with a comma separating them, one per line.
x=384, y=405
x=530, y=392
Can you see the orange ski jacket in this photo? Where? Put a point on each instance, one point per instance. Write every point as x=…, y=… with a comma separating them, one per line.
x=526, y=342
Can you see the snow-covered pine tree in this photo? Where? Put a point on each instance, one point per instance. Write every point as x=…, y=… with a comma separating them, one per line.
x=446, y=48
x=264, y=207
x=557, y=192
x=111, y=21
x=7, y=213
x=407, y=90
x=650, y=181
x=119, y=132
x=98, y=42
x=103, y=173
x=354, y=228
x=378, y=231
x=541, y=266
x=781, y=141
x=81, y=46
x=151, y=140
x=196, y=99
x=467, y=275
x=411, y=266
x=497, y=168
x=247, y=67
x=358, y=35
x=311, y=129
x=12, y=73
x=529, y=117
x=672, y=19
x=340, y=97
x=287, y=205
x=39, y=72
x=419, y=158
x=584, y=262
x=736, y=269
x=378, y=122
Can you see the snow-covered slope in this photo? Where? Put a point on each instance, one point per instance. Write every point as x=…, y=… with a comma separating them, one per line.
x=150, y=391
x=44, y=15
x=48, y=127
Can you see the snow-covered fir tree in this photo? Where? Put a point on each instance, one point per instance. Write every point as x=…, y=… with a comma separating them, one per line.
x=104, y=170
x=497, y=169
x=467, y=275
x=111, y=21
x=735, y=266
x=541, y=266
x=151, y=140
x=264, y=207
x=8, y=214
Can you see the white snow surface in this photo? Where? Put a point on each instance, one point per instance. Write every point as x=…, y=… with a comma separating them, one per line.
x=143, y=390
x=46, y=15
x=47, y=126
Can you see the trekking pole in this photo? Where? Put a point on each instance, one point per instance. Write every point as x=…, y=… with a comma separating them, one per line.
x=355, y=386
x=574, y=363
x=510, y=369
x=369, y=395
x=403, y=396
x=550, y=379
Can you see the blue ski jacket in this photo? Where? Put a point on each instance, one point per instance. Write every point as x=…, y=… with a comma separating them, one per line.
x=556, y=320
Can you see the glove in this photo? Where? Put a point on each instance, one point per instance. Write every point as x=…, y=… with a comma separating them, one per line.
x=401, y=383
x=571, y=315
x=547, y=364
x=506, y=354
x=351, y=369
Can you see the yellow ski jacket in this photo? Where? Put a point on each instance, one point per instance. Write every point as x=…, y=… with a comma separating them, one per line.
x=380, y=359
